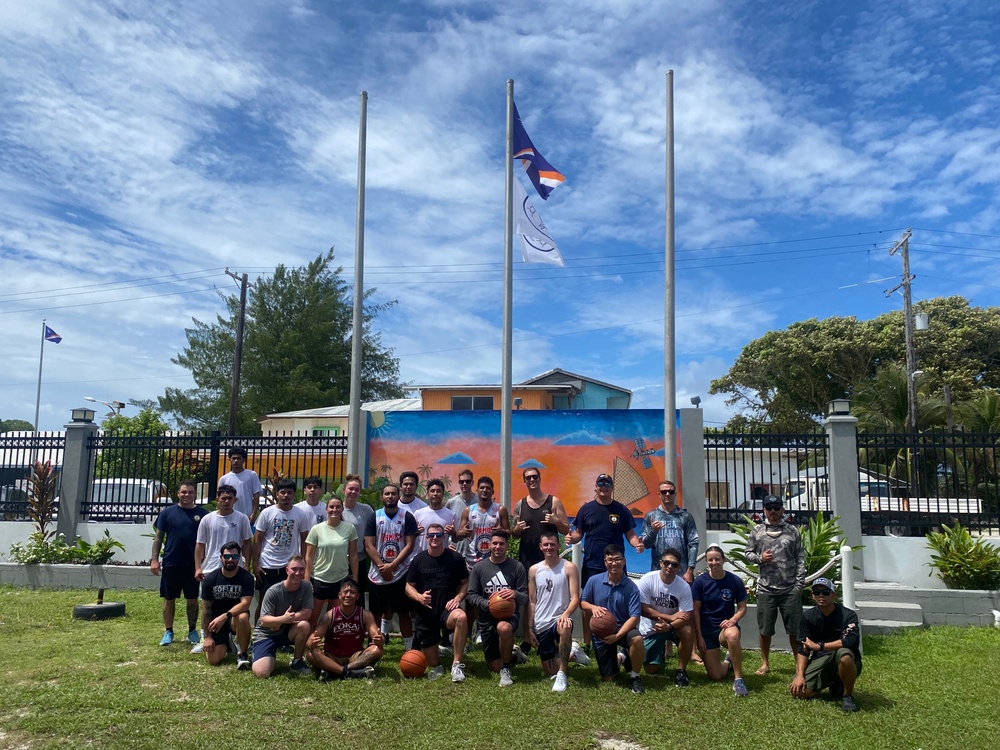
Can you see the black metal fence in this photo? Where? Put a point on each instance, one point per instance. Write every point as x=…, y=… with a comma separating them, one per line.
x=743, y=468
x=18, y=454
x=918, y=482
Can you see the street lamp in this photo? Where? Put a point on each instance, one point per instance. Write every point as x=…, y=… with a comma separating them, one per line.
x=115, y=406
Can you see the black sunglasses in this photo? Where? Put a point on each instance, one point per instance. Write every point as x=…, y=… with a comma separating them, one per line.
x=669, y=564
x=668, y=492
x=822, y=592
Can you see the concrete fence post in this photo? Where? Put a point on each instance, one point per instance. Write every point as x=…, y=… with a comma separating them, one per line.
x=691, y=481
x=847, y=577
x=842, y=471
x=77, y=467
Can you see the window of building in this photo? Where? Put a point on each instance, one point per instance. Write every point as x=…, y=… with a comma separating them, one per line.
x=326, y=431
x=472, y=403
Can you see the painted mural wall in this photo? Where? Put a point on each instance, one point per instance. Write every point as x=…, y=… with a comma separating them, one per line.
x=570, y=448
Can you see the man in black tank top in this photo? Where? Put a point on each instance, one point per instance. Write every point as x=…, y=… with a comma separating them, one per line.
x=535, y=513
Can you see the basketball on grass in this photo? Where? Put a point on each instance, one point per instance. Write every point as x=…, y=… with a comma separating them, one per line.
x=413, y=663
x=502, y=609
x=603, y=626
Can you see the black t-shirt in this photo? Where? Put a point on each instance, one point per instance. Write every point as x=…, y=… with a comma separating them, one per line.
x=841, y=625
x=225, y=593
x=441, y=575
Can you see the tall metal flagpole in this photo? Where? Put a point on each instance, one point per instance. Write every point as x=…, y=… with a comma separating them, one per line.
x=355, y=440
x=669, y=364
x=508, y=305
x=38, y=393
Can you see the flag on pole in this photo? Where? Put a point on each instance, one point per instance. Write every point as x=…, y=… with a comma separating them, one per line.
x=543, y=175
x=52, y=336
x=537, y=245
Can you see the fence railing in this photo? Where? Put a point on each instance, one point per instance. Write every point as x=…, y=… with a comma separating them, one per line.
x=18, y=453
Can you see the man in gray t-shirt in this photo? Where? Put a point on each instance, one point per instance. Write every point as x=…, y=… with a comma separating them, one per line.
x=284, y=620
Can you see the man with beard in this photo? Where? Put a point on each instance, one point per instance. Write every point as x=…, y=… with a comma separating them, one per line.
x=226, y=594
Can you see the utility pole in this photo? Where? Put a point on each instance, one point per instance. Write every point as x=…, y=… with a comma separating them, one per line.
x=234, y=395
x=903, y=246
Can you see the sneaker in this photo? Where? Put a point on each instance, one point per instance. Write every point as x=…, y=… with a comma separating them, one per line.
x=479, y=639
x=559, y=686
x=457, y=672
x=288, y=649
x=740, y=687
x=637, y=687
x=196, y=648
x=168, y=638
x=194, y=636
x=506, y=679
x=435, y=672
x=299, y=666
x=577, y=655
x=242, y=662
x=519, y=657
x=365, y=673
x=444, y=651
x=325, y=676
x=848, y=705
x=681, y=678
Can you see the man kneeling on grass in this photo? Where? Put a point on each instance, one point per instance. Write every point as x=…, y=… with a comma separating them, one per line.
x=226, y=594
x=284, y=620
x=829, y=653
x=337, y=646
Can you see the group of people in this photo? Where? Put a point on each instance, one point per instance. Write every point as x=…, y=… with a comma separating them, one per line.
x=437, y=565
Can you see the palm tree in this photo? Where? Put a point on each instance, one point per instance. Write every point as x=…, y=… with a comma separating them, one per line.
x=386, y=469
x=425, y=471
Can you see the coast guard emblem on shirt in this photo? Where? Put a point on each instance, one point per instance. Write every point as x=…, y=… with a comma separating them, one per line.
x=613, y=518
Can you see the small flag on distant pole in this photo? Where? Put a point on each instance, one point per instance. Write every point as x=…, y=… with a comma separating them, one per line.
x=52, y=336
x=537, y=245
x=543, y=175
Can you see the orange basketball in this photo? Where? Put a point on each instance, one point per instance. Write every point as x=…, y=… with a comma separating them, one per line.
x=502, y=609
x=604, y=626
x=413, y=663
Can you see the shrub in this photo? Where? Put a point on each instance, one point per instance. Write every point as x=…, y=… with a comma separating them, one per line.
x=44, y=548
x=963, y=562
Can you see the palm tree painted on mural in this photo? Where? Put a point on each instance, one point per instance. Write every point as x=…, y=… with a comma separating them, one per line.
x=425, y=471
x=386, y=469
x=372, y=474
x=446, y=481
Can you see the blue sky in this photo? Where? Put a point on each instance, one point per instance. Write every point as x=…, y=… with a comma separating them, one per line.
x=147, y=147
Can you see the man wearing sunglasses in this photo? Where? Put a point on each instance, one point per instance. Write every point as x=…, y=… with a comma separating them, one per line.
x=465, y=499
x=670, y=527
x=438, y=581
x=226, y=594
x=829, y=654
x=667, y=615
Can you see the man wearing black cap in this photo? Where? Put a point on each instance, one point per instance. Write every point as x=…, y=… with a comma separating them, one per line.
x=776, y=548
x=601, y=522
x=829, y=654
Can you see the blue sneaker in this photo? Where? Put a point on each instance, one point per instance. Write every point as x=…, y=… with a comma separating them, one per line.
x=740, y=687
x=194, y=636
x=168, y=638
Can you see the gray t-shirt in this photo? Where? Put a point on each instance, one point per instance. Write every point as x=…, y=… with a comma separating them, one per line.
x=276, y=602
x=456, y=505
x=359, y=516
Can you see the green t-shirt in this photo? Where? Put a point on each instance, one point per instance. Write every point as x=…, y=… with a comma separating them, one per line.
x=332, y=561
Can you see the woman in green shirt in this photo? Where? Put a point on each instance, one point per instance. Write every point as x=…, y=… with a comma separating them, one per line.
x=331, y=557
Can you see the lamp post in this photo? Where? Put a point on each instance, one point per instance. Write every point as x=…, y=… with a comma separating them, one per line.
x=115, y=406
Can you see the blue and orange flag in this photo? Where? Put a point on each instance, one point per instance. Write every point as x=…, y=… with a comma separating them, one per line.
x=543, y=175
x=52, y=336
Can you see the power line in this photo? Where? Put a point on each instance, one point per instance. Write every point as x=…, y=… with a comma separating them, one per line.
x=108, y=301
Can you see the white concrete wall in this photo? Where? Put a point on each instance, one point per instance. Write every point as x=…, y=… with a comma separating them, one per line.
x=137, y=547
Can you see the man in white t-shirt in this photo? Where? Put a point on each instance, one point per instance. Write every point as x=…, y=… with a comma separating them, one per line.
x=409, y=500
x=312, y=489
x=246, y=482
x=218, y=528
x=280, y=535
x=435, y=512
x=667, y=615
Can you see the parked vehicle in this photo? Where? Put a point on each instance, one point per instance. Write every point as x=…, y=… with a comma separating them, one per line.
x=122, y=500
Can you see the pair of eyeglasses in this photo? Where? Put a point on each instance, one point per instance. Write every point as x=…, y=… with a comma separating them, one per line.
x=668, y=492
x=669, y=564
x=434, y=535
x=822, y=592
x=230, y=557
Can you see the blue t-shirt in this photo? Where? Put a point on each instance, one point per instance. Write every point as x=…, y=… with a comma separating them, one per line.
x=718, y=598
x=180, y=527
x=602, y=525
x=621, y=599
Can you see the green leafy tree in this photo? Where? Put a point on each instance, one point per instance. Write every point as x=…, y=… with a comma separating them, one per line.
x=296, y=352
x=138, y=462
x=12, y=425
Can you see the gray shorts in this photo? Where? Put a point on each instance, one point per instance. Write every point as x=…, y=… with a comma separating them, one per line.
x=789, y=603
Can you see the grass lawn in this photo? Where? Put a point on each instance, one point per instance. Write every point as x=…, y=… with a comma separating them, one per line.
x=67, y=683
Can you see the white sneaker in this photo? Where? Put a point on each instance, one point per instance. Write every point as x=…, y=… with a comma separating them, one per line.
x=506, y=679
x=519, y=656
x=435, y=672
x=457, y=672
x=560, y=684
x=579, y=656
x=196, y=648
x=444, y=651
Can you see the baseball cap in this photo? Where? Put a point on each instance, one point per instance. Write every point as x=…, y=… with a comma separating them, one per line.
x=605, y=480
x=821, y=583
x=774, y=501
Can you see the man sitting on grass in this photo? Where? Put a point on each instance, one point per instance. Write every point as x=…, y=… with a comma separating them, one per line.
x=829, y=653
x=337, y=646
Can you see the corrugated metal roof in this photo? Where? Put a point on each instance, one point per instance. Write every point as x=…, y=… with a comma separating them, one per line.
x=394, y=404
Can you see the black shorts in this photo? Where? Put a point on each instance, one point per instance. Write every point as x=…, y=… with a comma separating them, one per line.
x=548, y=642
x=386, y=596
x=363, y=583
x=491, y=639
x=427, y=629
x=607, y=656
x=326, y=591
x=269, y=577
x=176, y=580
x=586, y=575
x=222, y=635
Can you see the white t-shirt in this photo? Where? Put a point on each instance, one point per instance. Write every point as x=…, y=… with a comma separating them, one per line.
x=282, y=530
x=215, y=531
x=666, y=598
x=316, y=512
x=425, y=517
x=246, y=483
x=413, y=506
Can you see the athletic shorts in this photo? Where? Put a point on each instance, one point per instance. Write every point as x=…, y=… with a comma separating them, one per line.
x=789, y=603
x=175, y=580
x=268, y=647
x=491, y=639
x=711, y=636
x=324, y=591
x=607, y=656
x=586, y=575
x=656, y=645
x=269, y=577
x=222, y=635
x=822, y=671
x=385, y=596
x=548, y=642
x=427, y=628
